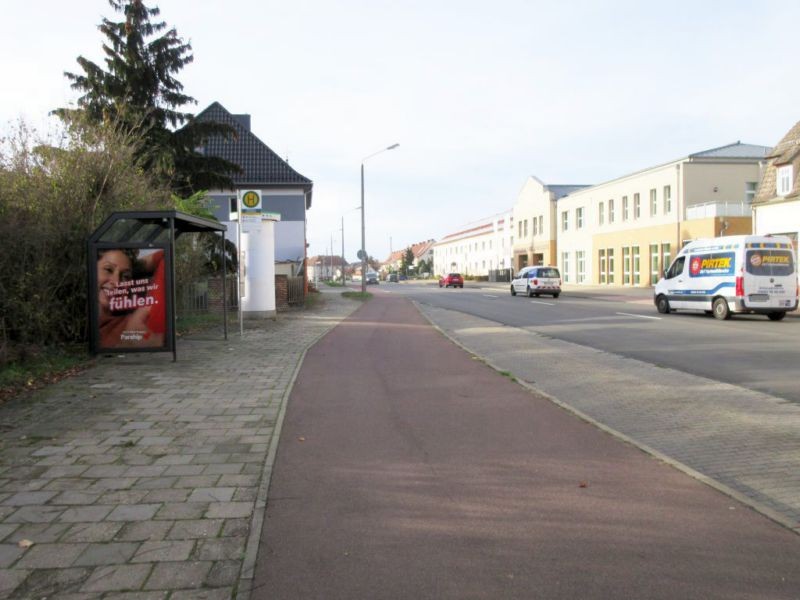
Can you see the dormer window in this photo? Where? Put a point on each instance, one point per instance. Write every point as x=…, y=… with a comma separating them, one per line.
x=785, y=178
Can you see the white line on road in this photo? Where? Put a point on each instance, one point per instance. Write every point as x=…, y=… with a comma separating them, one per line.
x=490, y=296
x=639, y=316
x=540, y=302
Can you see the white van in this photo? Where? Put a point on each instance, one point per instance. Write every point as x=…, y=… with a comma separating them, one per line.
x=537, y=280
x=732, y=274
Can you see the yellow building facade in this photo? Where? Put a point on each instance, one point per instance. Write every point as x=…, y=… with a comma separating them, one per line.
x=627, y=231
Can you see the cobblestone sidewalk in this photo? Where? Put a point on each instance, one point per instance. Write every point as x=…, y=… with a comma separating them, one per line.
x=146, y=479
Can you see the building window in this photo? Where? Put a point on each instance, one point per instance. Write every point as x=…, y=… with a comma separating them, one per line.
x=541, y=223
x=234, y=205
x=525, y=229
x=520, y=229
x=535, y=226
x=580, y=264
x=602, y=261
x=667, y=199
x=624, y=208
x=653, y=203
x=565, y=220
x=784, y=180
x=626, y=265
x=579, y=218
x=601, y=214
x=565, y=266
x=666, y=256
x=636, y=266
x=610, y=254
x=654, y=272
x=611, y=211
x=750, y=188
x=637, y=206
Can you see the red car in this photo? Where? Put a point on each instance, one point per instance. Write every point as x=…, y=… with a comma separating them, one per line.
x=454, y=279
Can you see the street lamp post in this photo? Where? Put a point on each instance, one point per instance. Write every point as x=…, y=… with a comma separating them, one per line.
x=363, y=228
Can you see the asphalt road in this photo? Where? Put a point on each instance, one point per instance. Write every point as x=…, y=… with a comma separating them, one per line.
x=749, y=350
x=407, y=469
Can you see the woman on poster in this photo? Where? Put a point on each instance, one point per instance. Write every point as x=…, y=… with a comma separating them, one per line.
x=130, y=296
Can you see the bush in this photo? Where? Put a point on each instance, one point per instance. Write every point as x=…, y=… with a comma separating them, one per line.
x=53, y=195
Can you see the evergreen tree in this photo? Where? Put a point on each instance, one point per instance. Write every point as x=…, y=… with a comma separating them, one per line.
x=139, y=91
x=407, y=260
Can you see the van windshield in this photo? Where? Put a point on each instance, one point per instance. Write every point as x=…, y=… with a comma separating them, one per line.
x=766, y=262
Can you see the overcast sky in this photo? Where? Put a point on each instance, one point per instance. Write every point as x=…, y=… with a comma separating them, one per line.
x=479, y=95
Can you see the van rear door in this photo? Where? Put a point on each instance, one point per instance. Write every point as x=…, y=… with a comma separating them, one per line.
x=770, y=277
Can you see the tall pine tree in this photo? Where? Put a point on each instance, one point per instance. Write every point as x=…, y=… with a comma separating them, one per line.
x=139, y=92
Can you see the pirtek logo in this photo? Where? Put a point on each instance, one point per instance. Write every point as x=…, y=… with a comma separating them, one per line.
x=705, y=264
x=775, y=260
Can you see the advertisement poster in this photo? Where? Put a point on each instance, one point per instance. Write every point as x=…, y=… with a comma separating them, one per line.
x=131, y=298
x=712, y=265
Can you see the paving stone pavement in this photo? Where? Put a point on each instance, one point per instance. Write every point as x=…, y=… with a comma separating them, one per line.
x=141, y=478
x=744, y=443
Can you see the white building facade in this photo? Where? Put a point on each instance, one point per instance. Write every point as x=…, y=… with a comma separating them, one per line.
x=477, y=248
x=536, y=228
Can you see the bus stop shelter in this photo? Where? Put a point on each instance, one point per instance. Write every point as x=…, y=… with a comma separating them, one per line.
x=131, y=275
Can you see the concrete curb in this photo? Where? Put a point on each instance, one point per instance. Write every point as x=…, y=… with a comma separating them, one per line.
x=738, y=496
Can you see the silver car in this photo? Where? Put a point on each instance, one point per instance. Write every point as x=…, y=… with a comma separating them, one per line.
x=535, y=281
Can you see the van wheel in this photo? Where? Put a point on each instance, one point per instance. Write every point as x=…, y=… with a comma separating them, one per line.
x=662, y=305
x=555, y=296
x=513, y=291
x=721, y=310
x=776, y=316
x=530, y=293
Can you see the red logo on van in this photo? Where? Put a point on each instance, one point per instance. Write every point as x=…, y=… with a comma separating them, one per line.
x=695, y=265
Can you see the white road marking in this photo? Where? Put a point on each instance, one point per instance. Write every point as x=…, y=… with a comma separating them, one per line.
x=490, y=296
x=639, y=316
x=540, y=302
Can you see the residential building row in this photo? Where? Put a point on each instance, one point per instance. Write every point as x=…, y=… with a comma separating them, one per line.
x=422, y=251
x=627, y=230
x=478, y=249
